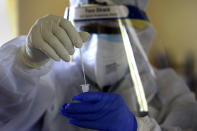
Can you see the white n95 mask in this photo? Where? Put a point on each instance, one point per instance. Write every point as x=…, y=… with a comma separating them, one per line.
x=105, y=59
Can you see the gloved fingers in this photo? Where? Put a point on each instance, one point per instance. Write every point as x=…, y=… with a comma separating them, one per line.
x=83, y=107
x=85, y=36
x=45, y=48
x=72, y=33
x=56, y=45
x=89, y=97
x=89, y=124
x=106, y=101
x=63, y=38
x=84, y=116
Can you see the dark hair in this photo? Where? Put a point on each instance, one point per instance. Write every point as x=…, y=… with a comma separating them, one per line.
x=100, y=29
x=96, y=2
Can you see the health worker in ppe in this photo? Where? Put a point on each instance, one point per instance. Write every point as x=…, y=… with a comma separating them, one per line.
x=40, y=90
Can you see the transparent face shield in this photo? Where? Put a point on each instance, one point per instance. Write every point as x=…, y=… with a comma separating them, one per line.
x=115, y=56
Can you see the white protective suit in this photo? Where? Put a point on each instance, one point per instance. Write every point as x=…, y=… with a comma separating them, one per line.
x=30, y=99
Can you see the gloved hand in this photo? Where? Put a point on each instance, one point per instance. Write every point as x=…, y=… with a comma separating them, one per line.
x=100, y=111
x=51, y=37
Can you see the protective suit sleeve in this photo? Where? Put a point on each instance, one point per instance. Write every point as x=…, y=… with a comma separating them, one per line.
x=18, y=83
x=179, y=109
x=149, y=124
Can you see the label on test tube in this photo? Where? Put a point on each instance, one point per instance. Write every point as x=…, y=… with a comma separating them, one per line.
x=85, y=87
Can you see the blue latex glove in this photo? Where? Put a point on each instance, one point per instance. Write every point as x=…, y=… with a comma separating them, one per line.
x=100, y=111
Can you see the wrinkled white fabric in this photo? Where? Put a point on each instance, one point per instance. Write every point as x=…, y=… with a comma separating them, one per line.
x=30, y=99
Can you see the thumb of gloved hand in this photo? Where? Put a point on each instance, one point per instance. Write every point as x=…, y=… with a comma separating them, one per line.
x=51, y=37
